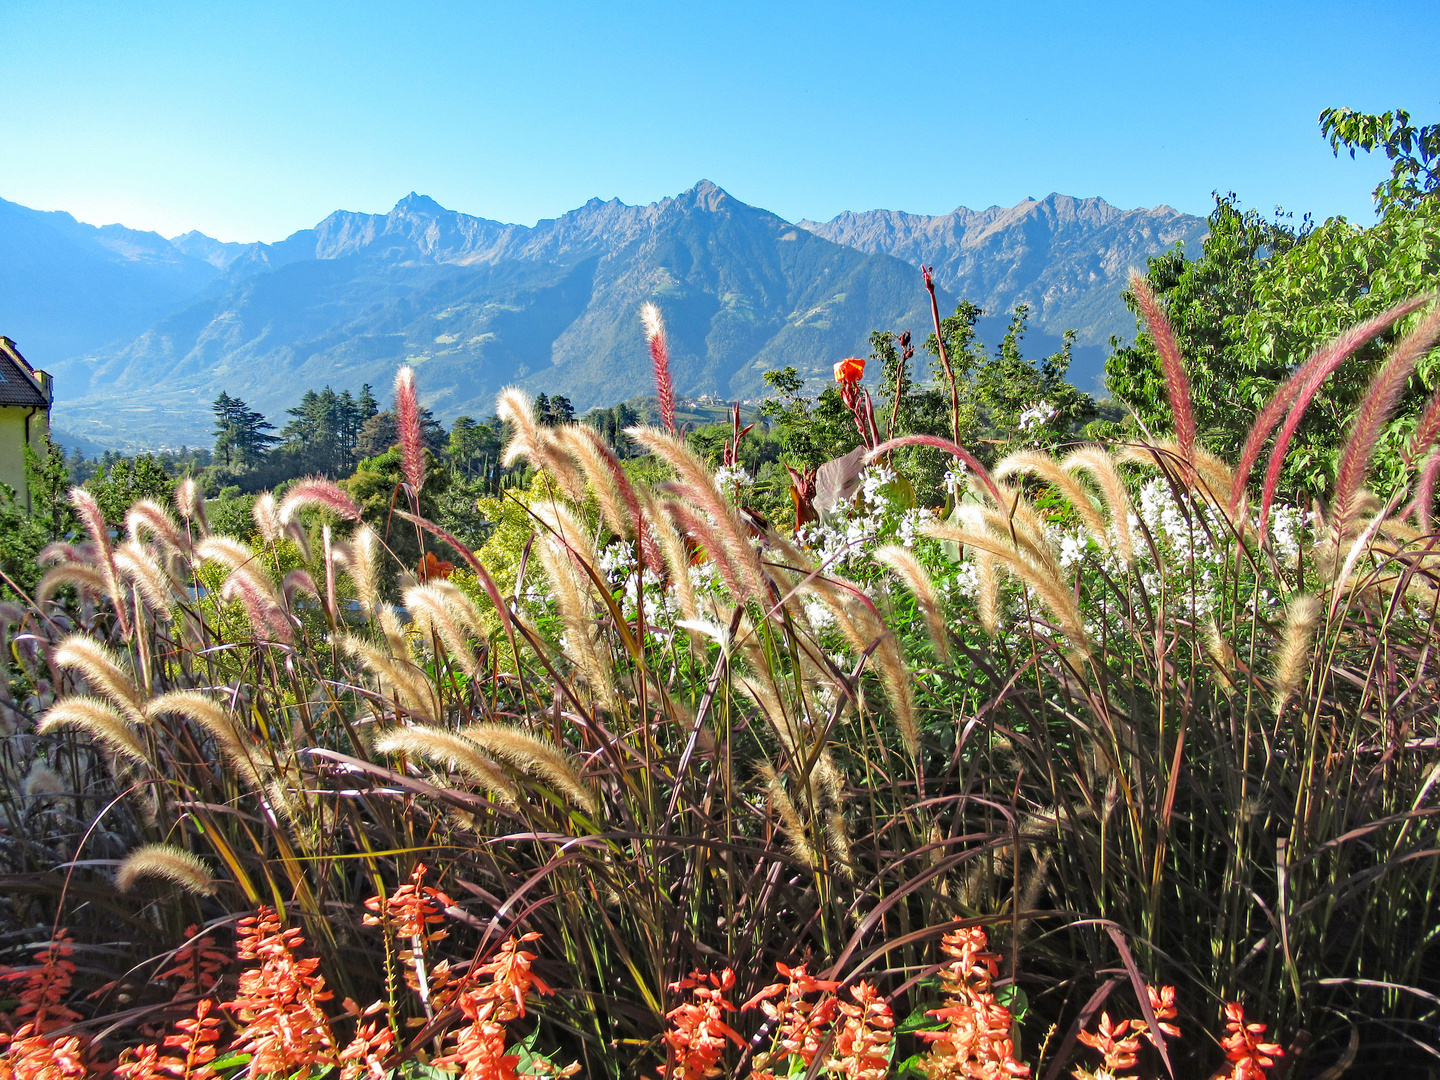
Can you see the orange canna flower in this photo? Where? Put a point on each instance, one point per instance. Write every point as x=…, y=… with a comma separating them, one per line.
x=850, y=370
x=431, y=567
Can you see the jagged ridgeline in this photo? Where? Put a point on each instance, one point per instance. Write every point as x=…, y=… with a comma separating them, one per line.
x=141, y=331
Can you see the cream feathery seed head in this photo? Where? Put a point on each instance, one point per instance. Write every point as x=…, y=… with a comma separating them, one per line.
x=364, y=567
x=85, y=578
x=225, y=550
x=1102, y=466
x=210, y=715
x=43, y=782
x=191, y=503
x=410, y=686
x=453, y=751
x=266, y=513
x=149, y=518
x=102, y=670
x=435, y=613
x=98, y=719
x=517, y=408
x=541, y=759
x=908, y=569
x=651, y=319
x=139, y=567
x=170, y=863
x=791, y=826
x=1292, y=658
x=1047, y=468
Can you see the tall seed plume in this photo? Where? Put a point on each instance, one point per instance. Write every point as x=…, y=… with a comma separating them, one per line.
x=791, y=826
x=1177, y=380
x=94, y=521
x=1295, y=394
x=407, y=420
x=1047, y=468
x=98, y=719
x=170, y=863
x=1101, y=465
x=102, y=670
x=415, y=692
x=324, y=493
x=541, y=759
x=191, y=504
x=212, y=717
x=660, y=359
x=1375, y=412
x=454, y=752
x=364, y=567
x=907, y=568
x=1293, y=656
x=148, y=518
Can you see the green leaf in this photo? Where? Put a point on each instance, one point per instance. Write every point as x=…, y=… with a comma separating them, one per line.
x=1015, y=999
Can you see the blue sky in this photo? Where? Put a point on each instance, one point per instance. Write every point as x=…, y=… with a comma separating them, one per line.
x=251, y=120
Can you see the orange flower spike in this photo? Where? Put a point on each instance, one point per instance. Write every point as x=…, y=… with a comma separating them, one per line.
x=1242, y=1046
x=1110, y=1040
x=1162, y=1004
x=698, y=1033
x=850, y=370
x=863, y=1041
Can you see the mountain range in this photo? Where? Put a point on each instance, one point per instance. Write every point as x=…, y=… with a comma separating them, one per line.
x=141, y=333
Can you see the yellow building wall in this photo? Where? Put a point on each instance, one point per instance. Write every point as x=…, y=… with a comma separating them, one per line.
x=12, y=446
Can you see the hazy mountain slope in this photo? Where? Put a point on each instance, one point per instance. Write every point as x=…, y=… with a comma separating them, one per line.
x=1067, y=258
x=66, y=287
x=476, y=305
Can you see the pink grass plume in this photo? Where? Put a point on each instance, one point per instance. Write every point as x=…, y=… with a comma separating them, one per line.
x=1298, y=391
x=1375, y=412
x=319, y=492
x=1177, y=381
x=660, y=357
x=407, y=419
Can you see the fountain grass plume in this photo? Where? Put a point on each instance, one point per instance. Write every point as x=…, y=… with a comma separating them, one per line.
x=453, y=751
x=1301, y=617
x=101, y=670
x=98, y=719
x=541, y=759
x=148, y=517
x=1101, y=466
x=1375, y=411
x=1297, y=391
x=414, y=692
x=1047, y=468
x=94, y=522
x=138, y=566
x=256, y=593
x=1177, y=380
x=908, y=569
x=210, y=715
x=317, y=491
x=407, y=420
x=169, y=863
x=660, y=357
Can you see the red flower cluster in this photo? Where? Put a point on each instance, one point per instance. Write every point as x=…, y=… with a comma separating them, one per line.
x=285, y=1029
x=698, y=1031
x=479, y=1048
x=1120, y=1042
x=975, y=1041
x=1243, y=1047
x=800, y=1023
x=29, y=1053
